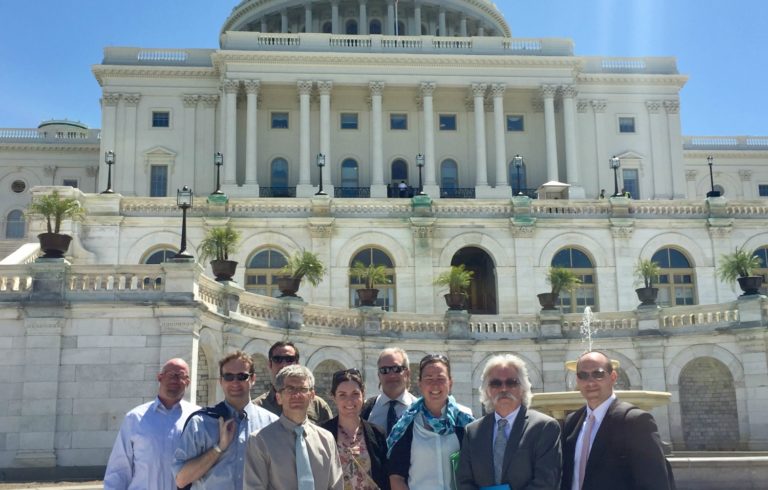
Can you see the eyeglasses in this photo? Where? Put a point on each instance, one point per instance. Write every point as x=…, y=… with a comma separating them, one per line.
x=176, y=376
x=284, y=359
x=346, y=372
x=392, y=369
x=430, y=358
x=597, y=375
x=229, y=377
x=296, y=390
x=509, y=383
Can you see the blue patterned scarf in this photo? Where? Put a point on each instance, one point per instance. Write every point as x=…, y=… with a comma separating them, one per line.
x=445, y=424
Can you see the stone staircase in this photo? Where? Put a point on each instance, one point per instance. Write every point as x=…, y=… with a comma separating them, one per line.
x=7, y=247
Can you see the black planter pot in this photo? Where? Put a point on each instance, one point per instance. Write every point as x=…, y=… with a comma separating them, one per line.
x=223, y=269
x=548, y=300
x=54, y=245
x=750, y=285
x=288, y=286
x=647, y=296
x=456, y=301
x=367, y=296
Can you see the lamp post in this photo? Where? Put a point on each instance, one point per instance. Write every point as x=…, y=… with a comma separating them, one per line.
x=184, y=198
x=109, y=159
x=218, y=161
x=320, y=160
x=615, y=164
x=517, y=161
x=712, y=192
x=420, y=165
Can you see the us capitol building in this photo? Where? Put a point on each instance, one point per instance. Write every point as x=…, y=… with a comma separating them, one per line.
x=417, y=135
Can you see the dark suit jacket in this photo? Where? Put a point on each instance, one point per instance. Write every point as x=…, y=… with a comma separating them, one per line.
x=626, y=454
x=531, y=460
x=375, y=442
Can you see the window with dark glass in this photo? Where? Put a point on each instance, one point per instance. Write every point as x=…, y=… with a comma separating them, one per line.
x=279, y=172
x=515, y=122
x=349, y=174
x=449, y=174
x=398, y=121
x=762, y=190
x=15, y=225
x=677, y=285
x=513, y=180
x=69, y=182
x=631, y=182
x=160, y=256
x=447, y=122
x=387, y=292
x=351, y=27
x=279, y=120
x=626, y=124
x=585, y=294
x=161, y=119
x=263, y=271
x=374, y=26
x=348, y=120
x=158, y=181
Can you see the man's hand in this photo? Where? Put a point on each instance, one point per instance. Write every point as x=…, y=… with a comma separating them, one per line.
x=226, y=432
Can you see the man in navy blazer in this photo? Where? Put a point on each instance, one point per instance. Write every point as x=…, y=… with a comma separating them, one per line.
x=624, y=450
x=530, y=457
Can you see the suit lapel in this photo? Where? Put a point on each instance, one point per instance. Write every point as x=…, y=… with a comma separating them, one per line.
x=600, y=445
x=515, y=434
x=482, y=450
x=578, y=422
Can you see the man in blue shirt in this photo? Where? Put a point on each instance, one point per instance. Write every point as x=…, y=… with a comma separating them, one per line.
x=143, y=452
x=211, y=453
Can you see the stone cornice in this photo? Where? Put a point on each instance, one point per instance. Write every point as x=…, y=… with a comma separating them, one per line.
x=13, y=146
x=103, y=72
x=633, y=79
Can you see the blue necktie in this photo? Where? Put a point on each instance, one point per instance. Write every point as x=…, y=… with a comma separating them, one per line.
x=391, y=416
x=303, y=468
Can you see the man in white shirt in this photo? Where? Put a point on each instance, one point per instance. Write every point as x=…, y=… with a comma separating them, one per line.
x=143, y=452
x=386, y=408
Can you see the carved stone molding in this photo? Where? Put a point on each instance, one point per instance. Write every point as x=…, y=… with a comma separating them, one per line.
x=131, y=100
x=498, y=90
x=427, y=89
x=582, y=105
x=522, y=231
x=690, y=175
x=49, y=170
x=376, y=88
x=177, y=326
x=422, y=231
x=569, y=91
x=622, y=231
x=598, y=105
x=537, y=104
x=745, y=175
x=190, y=100
x=252, y=86
x=548, y=91
x=325, y=87
x=43, y=326
x=230, y=86
x=719, y=231
x=321, y=231
x=304, y=87
x=209, y=100
x=478, y=89
x=672, y=106
x=653, y=106
x=110, y=99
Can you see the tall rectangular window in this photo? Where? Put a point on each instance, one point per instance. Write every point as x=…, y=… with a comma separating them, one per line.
x=279, y=120
x=161, y=119
x=631, y=180
x=398, y=121
x=158, y=181
x=447, y=122
x=762, y=190
x=70, y=182
x=348, y=120
x=626, y=124
x=515, y=122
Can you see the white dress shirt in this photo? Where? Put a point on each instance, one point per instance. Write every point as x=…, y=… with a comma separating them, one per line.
x=378, y=414
x=599, y=414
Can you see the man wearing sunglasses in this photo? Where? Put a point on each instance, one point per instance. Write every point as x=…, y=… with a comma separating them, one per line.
x=610, y=444
x=512, y=446
x=386, y=408
x=283, y=354
x=211, y=453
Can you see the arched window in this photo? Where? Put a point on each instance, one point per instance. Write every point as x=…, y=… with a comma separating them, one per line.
x=374, y=26
x=762, y=254
x=449, y=174
x=584, y=295
x=375, y=256
x=351, y=27
x=279, y=172
x=399, y=171
x=401, y=29
x=349, y=173
x=15, y=224
x=159, y=256
x=327, y=28
x=677, y=285
x=522, y=183
x=261, y=272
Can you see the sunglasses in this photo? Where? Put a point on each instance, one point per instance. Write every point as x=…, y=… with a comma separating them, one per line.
x=284, y=359
x=392, y=369
x=229, y=377
x=597, y=375
x=430, y=358
x=509, y=383
x=345, y=373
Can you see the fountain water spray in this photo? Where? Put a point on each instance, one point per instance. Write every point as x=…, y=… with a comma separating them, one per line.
x=586, y=329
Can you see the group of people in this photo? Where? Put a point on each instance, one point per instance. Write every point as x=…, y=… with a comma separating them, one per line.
x=287, y=439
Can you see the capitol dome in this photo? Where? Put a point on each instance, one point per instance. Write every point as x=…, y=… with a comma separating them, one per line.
x=462, y=18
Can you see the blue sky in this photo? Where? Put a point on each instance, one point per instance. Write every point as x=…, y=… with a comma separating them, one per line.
x=47, y=48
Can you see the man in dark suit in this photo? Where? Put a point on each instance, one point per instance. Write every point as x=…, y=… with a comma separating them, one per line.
x=512, y=446
x=608, y=444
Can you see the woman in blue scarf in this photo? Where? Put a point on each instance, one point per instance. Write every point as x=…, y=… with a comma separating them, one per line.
x=428, y=435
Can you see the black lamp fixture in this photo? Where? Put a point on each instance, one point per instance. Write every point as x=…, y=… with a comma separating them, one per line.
x=184, y=197
x=712, y=192
x=320, y=160
x=420, y=165
x=109, y=159
x=517, y=161
x=218, y=161
x=615, y=164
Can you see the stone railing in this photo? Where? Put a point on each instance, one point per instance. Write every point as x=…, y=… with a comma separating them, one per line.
x=32, y=135
x=624, y=322
x=97, y=278
x=646, y=65
x=150, y=56
x=725, y=142
x=719, y=315
x=556, y=208
x=517, y=327
x=15, y=279
x=663, y=209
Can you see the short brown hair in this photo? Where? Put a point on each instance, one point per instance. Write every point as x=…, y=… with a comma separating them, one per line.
x=238, y=355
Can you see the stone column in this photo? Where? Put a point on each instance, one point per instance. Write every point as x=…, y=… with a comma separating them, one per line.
x=430, y=182
x=251, y=136
x=308, y=17
x=747, y=189
x=390, y=30
x=651, y=367
x=335, y=16
x=128, y=186
x=325, y=89
x=263, y=24
x=441, y=21
x=230, y=134
x=187, y=168
x=205, y=138
x=500, y=133
x=362, y=23
x=604, y=174
x=675, y=148
x=378, y=188
x=481, y=170
x=548, y=94
x=416, y=18
x=304, y=188
x=109, y=103
x=572, y=166
x=753, y=358
x=662, y=180
x=463, y=31
x=283, y=21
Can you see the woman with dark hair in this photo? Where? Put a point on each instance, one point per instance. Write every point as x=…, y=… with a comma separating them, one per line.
x=362, y=445
x=426, y=440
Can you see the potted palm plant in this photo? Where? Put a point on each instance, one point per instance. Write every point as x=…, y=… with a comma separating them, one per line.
x=559, y=279
x=739, y=266
x=458, y=280
x=218, y=244
x=371, y=276
x=299, y=266
x=647, y=271
x=55, y=209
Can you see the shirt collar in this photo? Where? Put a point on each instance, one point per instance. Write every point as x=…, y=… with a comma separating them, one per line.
x=289, y=424
x=406, y=398
x=601, y=409
x=510, y=418
x=158, y=406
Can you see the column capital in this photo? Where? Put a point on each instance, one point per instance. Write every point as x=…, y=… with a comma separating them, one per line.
x=653, y=106
x=304, y=87
x=209, y=100
x=190, y=100
x=745, y=175
x=690, y=175
x=537, y=104
x=498, y=90
x=548, y=91
x=325, y=87
x=581, y=105
x=376, y=88
x=598, y=105
x=569, y=91
x=252, y=86
x=672, y=106
x=478, y=89
x=230, y=86
x=427, y=88
x=110, y=98
x=131, y=100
